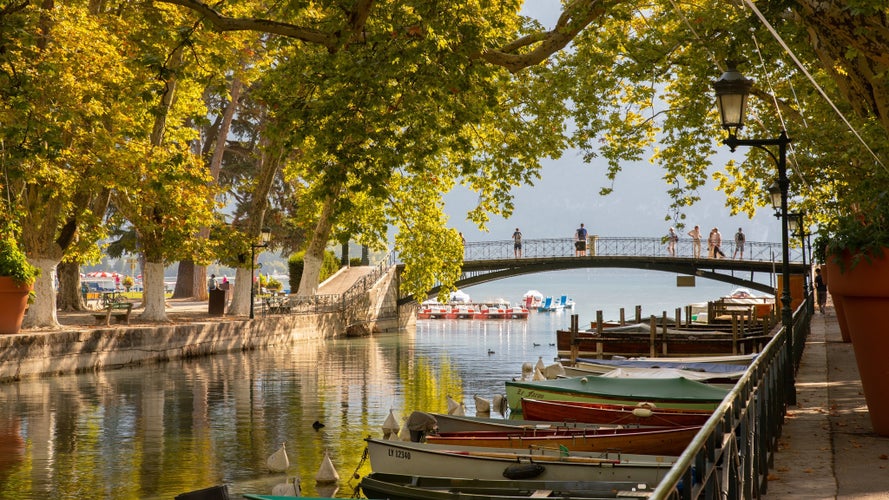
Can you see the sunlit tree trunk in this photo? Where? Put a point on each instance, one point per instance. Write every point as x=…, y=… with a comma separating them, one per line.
x=42, y=313
x=308, y=284
x=154, y=300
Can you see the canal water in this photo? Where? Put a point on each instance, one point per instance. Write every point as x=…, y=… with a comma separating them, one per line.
x=156, y=431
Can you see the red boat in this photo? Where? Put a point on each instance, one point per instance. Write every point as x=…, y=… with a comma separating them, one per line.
x=643, y=440
x=603, y=413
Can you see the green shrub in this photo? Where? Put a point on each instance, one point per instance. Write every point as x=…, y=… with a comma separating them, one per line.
x=295, y=264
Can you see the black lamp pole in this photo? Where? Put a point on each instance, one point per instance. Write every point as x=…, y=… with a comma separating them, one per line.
x=264, y=242
x=797, y=223
x=732, y=90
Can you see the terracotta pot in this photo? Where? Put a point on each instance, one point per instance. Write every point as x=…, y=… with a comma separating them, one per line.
x=13, y=303
x=865, y=297
x=831, y=269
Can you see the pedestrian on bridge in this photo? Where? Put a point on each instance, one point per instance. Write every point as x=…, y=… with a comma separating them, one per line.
x=821, y=289
x=517, y=246
x=740, y=239
x=696, y=241
x=715, y=243
x=580, y=241
x=672, y=239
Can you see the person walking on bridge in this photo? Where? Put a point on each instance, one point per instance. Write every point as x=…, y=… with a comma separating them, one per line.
x=672, y=238
x=696, y=241
x=740, y=239
x=517, y=246
x=715, y=242
x=580, y=241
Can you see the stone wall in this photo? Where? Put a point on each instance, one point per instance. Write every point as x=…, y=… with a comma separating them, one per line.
x=73, y=351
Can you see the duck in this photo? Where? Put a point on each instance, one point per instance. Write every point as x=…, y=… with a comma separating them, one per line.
x=317, y=425
x=490, y=351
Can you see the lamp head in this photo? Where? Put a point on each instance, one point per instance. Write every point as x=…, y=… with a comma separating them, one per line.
x=265, y=236
x=775, y=196
x=732, y=90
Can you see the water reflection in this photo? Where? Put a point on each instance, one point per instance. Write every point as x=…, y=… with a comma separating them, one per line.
x=160, y=430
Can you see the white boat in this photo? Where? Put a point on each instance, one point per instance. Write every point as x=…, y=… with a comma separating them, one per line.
x=532, y=299
x=424, y=459
x=608, y=371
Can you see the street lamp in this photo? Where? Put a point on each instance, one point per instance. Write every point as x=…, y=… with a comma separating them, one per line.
x=264, y=242
x=732, y=90
x=796, y=225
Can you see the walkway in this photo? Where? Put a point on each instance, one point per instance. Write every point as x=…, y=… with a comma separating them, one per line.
x=827, y=449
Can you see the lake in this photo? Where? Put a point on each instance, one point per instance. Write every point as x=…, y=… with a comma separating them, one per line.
x=155, y=431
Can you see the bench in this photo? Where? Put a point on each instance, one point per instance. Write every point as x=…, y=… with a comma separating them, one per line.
x=278, y=305
x=119, y=310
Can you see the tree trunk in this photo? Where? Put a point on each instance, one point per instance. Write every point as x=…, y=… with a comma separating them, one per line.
x=308, y=285
x=186, y=285
x=344, y=254
x=69, y=296
x=42, y=313
x=240, y=294
x=153, y=292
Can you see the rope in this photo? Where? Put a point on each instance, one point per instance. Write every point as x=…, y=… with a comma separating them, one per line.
x=802, y=68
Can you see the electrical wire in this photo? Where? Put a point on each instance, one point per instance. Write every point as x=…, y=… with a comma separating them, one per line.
x=821, y=91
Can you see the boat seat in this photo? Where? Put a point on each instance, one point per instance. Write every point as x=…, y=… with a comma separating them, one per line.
x=541, y=494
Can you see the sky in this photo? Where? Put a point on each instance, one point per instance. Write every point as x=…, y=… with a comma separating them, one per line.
x=568, y=194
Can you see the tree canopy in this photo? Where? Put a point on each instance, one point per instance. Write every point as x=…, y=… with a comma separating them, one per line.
x=357, y=118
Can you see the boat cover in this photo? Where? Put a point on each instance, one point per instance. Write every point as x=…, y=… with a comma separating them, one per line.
x=672, y=389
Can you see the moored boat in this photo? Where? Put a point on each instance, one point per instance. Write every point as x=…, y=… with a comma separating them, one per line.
x=424, y=459
x=608, y=414
x=406, y=487
x=454, y=423
x=594, y=369
x=667, y=393
x=648, y=440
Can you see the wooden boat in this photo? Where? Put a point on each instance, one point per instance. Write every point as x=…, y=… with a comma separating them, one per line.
x=425, y=459
x=600, y=370
x=639, y=340
x=600, y=413
x=728, y=363
x=648, y=440
x=404, y=487
x=665, y=393
x=454, y=423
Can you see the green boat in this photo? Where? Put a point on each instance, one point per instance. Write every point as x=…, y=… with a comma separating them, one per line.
x=663, y=392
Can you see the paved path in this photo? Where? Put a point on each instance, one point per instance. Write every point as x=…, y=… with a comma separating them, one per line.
x=828, y=448
x=344, y=280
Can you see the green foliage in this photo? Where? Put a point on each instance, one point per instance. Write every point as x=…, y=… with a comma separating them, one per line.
x=295, y=265
x=862, y=230
x=13, y=262
x=355, y=261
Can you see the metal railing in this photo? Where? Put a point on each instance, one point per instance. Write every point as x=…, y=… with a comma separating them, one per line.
x=351, y=301
x=729, y=458
x=619, y=247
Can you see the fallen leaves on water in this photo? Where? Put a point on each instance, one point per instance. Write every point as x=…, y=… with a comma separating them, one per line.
x=884, y=457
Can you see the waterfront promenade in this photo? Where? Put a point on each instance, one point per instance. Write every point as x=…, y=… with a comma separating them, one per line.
x=827, y=449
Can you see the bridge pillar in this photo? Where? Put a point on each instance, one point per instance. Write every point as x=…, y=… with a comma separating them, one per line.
x=593, y=241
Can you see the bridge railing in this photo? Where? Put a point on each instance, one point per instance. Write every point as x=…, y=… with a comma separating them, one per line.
x=620, y=247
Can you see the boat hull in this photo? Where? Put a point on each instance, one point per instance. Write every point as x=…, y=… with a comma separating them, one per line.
x=455, y=423
x=656, y=441
x=404, y=487
x=424, y=459
x=606, y=414
x=666, y=393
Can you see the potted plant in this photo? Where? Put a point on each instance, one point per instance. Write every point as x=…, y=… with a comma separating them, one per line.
x=17, y=276
x=857, y=254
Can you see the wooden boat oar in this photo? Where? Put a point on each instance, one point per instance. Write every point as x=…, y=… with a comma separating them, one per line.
x=536, y=458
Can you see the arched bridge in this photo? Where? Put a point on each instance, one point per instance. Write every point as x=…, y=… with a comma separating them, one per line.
x=489, y=261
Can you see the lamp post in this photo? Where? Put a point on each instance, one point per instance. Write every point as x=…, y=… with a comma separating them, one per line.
x=797, y=227
x=732, y=90
x=264, y=242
